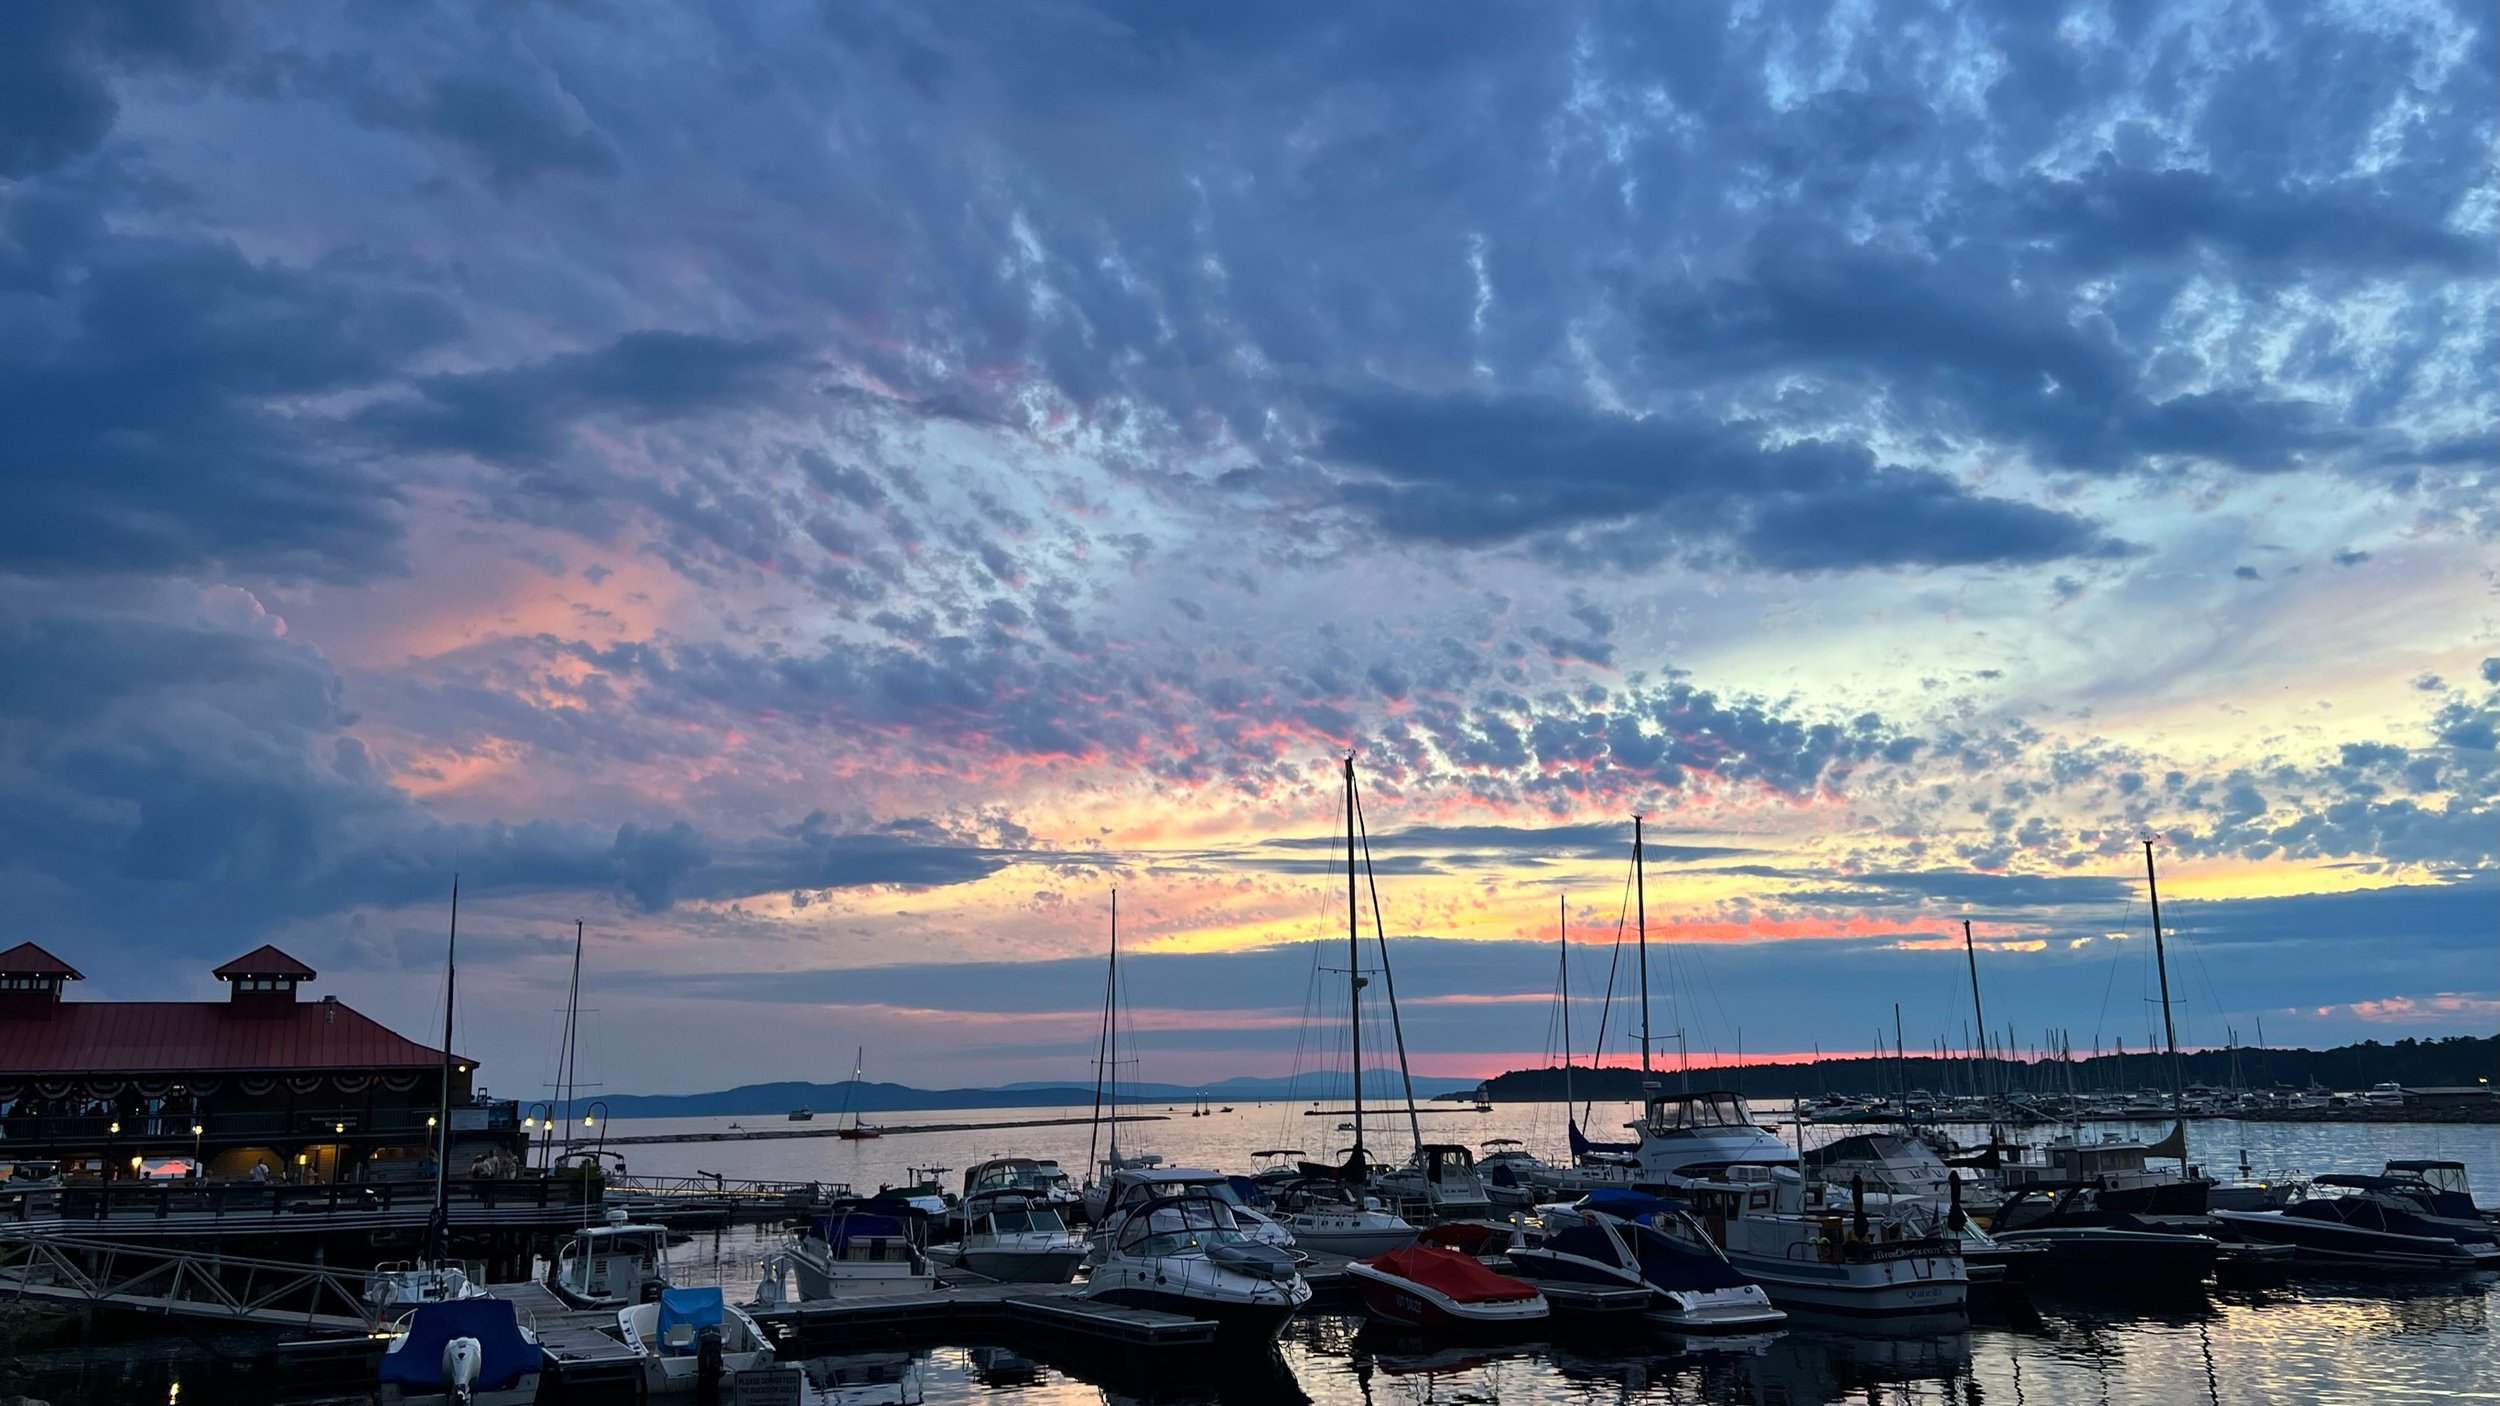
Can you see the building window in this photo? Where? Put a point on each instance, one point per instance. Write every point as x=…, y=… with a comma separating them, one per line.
x=265, y=983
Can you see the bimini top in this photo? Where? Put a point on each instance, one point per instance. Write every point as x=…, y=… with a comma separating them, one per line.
x=1623, y=1204
x=504, y=1356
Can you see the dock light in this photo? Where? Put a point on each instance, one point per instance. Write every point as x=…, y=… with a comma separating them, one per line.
x=114, y=1128
x=529, y=1123
x=197, y=1129
x=134, y=1164
x=338, y=1127
x=589, y=1122
x=301, y=1159
x=429, y=1120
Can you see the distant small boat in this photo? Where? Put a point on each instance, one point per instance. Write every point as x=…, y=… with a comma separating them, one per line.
x=802, y=1115
x=855, y=1130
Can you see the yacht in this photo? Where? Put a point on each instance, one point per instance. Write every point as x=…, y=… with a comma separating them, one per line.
x=1611, y=1240
x=1697, y=1135
x=2385, y=1096
x=1441, y=1184
x=1186, y=1254
x=2375, y=1225
x=1137, y=1186
x=451, y=1352
x=2119, y=1170
x=1017, y=1236
x=606, y=1266
x=857, y=1249
x=2089, y=1239
x=1778, y=1231
x=692, y=1339
x=1036, y=1177
x=1896, y=1166
x=2440, y=1186
x=392, y=1288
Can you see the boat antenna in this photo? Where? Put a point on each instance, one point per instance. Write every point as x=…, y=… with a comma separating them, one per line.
x=438, y=1222
x=2170, y=1033
x=1388, y=977
x=1354, y=962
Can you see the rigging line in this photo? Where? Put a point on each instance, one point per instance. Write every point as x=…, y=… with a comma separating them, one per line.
x=1388, y=981
x=1102, y=1060
x=1614, y=963
x=2110, y=984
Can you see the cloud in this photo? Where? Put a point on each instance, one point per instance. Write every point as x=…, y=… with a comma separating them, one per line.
x=1465, y=469
x=57, y=60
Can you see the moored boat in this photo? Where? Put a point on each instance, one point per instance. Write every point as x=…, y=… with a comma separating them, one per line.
x=1778, y=1232
x=461, y=1352
x=860, y=1248
x=1425, y=1286
x=690, y=1339
x=2372, y=1228
x=1016, y=1236
x=1611, y=1240
x=604, y=1266
x=1186, y=1254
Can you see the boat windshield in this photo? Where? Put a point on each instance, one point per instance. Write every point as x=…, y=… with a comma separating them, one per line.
x=1002, y=1176
x=1191, y=1225
x=1678, y=1112
x=1021, y=1220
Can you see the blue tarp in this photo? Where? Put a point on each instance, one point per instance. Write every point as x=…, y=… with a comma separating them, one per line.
x=1581, y=1146
x=504, y=1356
x=1623, y=1204
x=696, y=1308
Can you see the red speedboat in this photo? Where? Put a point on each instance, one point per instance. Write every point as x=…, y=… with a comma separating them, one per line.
x=1426, y=1286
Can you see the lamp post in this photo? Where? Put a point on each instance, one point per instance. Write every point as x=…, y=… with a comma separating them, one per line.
x=197, y=1129
x=595, y=1115
x=538, y=1123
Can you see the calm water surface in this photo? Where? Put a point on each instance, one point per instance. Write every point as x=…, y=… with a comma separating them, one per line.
x=2317, y=1341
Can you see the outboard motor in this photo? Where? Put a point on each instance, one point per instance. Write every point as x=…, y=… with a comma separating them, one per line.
x=462, y=1358
x=1253, y=1258
x=651, y=1290
x=708, y=1365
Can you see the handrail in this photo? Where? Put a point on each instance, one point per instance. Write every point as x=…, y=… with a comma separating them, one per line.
x=238, y=1200
x=103, y=1270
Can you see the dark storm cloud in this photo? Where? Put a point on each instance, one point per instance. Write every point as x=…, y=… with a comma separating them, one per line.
x=140, y=385
x=58, y=59
x=517, y=130
x=2112, y=216
x=519, y=412
x=1470, y=470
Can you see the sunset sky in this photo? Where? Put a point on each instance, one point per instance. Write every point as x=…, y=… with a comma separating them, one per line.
x=826, y=493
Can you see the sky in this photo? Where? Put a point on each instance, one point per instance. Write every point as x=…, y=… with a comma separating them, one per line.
x=823, y=495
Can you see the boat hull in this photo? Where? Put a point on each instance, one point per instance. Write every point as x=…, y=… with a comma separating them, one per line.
x=1023, y=1266
x=1396, y=1299
x=2327, y=1243
x=1873, y=1288
x=2142, y=1260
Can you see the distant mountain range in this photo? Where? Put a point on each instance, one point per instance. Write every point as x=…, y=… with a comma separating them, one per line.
x=749, y=1099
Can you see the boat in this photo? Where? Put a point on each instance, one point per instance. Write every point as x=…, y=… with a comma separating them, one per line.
x=1778, y=1231
x=1510, y=1173
x=2388, y=1095
x=1186, y=1254
x=1132, y=1187
x=1340, y=1218
x=1038, y=1177
x=2118, y=1169
x=461, y=1352
x=434, y=1277
x=855, y=1130
x=1425, y=1286
x=691, y=1339
x=1702, y=1134
x=1440, y=1183
x=606, y=1266
x=1899, y=1167
x=802, y=1115
x=2440, y=1185
x=1611, y=1240
x=858, y=1248
x=2091, y=1242
x=1016, y=1236
x=1105, y=1132
x=2375, y=1226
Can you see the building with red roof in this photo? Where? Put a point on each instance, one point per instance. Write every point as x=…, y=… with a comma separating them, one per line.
x=314, y=1089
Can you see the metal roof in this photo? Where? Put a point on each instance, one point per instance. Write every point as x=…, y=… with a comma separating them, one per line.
x=133, y=1037
x=26, y=959
x=264, y=960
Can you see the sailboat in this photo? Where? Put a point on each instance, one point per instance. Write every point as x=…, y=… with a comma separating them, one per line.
x=1686, y=1133
x=855, y=1130
x=454, y=1344
x=1098, y=1189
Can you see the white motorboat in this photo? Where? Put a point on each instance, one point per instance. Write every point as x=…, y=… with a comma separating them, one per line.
x=1612, y=1240
x=1778, y=1232
x=1703, y=1134
x=856, y=1250
x=1901, y=1167
x=691, y=1338
x=1425, y=1286
x=1442, y=1181
x=1186, y=1254
x=604, y=1266
x=1137, y=1186
x=1035, y=1177
x=461, y=1352
x=1016, y=1236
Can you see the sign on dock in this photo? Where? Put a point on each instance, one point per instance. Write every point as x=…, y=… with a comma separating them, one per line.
x=767, y=1386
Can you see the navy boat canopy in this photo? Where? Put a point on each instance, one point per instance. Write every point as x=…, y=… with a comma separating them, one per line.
x=1582, y=1146
x=1623, y=1204
x=504, y=1356
x=696, y=1308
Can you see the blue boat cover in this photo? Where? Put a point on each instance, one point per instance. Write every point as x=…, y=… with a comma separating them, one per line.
x=698, y=1308
x=1669, y=1263
x=1581, y=1146
x=1251, y=1193
x=1623, y=1203
x=504, y=1356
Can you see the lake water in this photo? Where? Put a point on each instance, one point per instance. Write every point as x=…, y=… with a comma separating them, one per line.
x=2315, y=1341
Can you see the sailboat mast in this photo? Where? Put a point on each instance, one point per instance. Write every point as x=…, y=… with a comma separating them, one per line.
x=1971, y=951
x=1562, y=942
x=2170, y=1033
x=568, y=1065
x=1353, y=955
x=1640, y=909
x=1111, y=1029
x=1102, y=1051
x=438, y=1228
